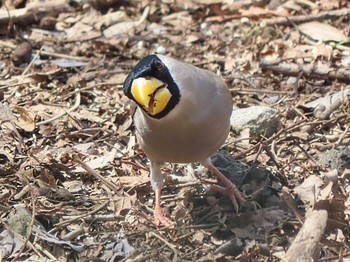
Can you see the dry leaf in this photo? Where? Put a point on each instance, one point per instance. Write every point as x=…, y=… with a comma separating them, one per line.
x=322, y=32
x=322, y=50
x=26, y=119
x=124, y=202
x=99, y=162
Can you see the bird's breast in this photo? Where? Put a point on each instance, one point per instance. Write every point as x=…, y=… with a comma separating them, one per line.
x=183, y=137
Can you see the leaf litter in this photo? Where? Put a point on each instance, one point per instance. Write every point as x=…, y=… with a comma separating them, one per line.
x=71, y=167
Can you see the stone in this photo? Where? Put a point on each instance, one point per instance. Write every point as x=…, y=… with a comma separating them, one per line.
x=260, y=120
x=337, y=158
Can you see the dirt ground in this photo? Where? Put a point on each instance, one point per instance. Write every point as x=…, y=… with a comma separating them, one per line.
x=74, y=183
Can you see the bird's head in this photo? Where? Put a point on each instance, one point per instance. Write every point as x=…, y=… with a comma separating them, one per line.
x=151, y=85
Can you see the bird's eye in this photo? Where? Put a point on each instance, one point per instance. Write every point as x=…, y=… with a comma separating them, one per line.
x=159, y=65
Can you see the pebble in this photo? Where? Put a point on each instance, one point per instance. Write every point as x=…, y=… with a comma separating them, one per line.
x=161, y=50
x=140, y=44
x=245, y=20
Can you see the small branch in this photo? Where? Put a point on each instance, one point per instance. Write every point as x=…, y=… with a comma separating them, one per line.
x=47, y=53
x=298, y=19
x=75, y=107
x=92, y=172
x=305, y=247
x=259, y=91
x=61, y=224
x=95, y=218
x=34, y=12
x=271, y=138
x=75, y=233
x=10, y=23
x=318, y=71
x=171, y=246
x=338, y=143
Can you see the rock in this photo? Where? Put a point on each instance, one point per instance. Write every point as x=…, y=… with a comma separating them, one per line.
x=260, y=120
x=22, y=54
x=161, y=50
x=337, y=158
x=19, y=220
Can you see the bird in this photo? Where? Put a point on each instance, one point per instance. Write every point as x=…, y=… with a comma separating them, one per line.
x=182, y=116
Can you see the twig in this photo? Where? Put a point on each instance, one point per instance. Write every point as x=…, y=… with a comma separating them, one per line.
x=298, y=19
x=305, y=246
x=76, y=105
x=260, y=91
x=47, y=53
x=10, y=23
x=307, y=3
x=318, y=71
x=290, y=201
x=24, y=191
x=334, y=258
x=61, y=224
x=171, y=246
x=58, y=55
x=203, y=226
x=189, y=254
x=92, y=172
x=138, y=258
x=304, y=151
x=342, y=136
x=102, y=218
x=75, y=233
x=271, y=138
x=34, y=11
x=14, y=85
x=135, y=164
x=31, y=63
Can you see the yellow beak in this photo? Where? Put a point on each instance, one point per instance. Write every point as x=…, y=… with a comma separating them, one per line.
x=151, y=93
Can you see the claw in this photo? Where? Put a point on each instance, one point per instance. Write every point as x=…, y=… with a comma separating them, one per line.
x=161, y=219
x=231, y=189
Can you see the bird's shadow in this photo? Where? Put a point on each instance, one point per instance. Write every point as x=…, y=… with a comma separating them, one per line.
x=257, y=219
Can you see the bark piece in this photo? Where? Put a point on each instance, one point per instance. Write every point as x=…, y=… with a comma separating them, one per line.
x=305, y=247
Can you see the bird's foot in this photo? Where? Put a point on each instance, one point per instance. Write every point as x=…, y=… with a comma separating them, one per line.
x=237, y=197
x=231, y=189
x=161, y=219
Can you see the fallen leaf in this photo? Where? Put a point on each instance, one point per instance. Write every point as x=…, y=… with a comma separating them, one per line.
x=99, y=162
x=322, y=32
x=26, y=119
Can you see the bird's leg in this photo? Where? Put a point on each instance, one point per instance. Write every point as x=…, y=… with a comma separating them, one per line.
x=159, y=217
x=231, y=189
x=156, y=178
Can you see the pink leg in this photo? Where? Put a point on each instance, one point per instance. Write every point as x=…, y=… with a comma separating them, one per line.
x=231, y=190
x=160, y=218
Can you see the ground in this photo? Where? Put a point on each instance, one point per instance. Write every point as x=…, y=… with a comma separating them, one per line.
x=73, y=181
